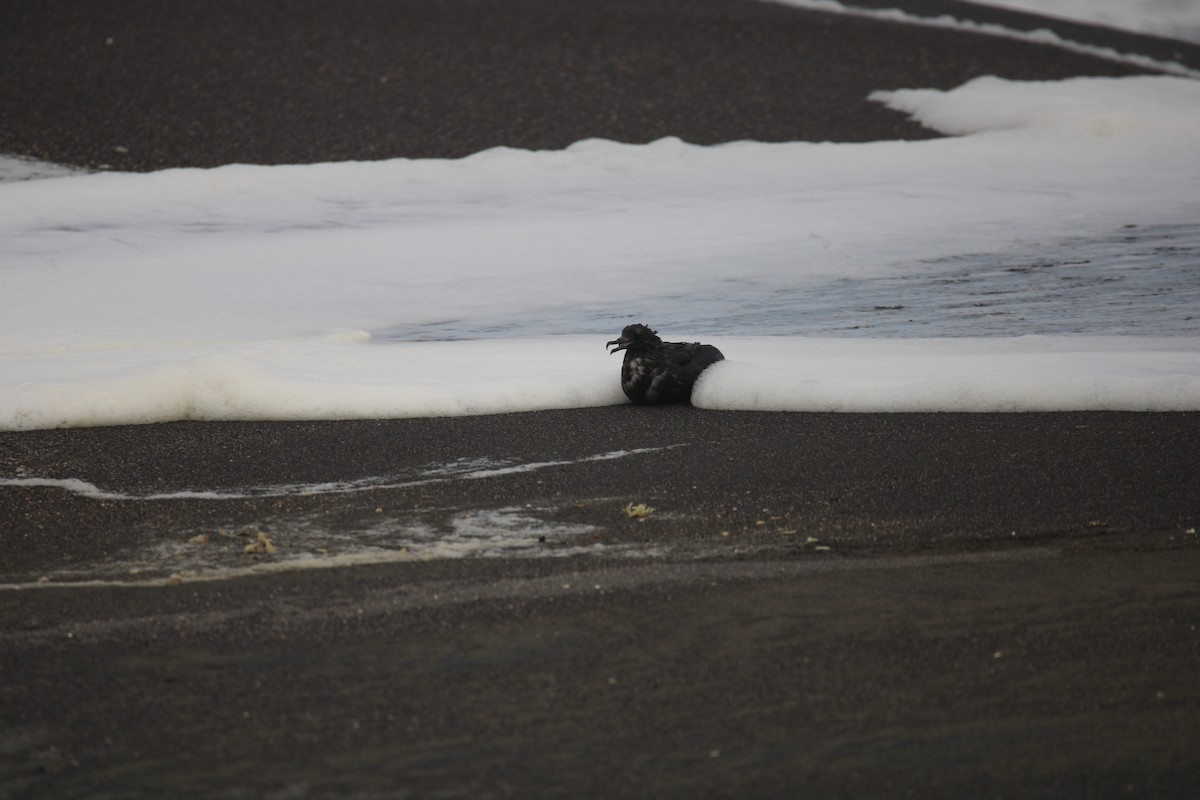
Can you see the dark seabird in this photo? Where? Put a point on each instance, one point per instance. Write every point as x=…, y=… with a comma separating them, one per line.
x=657, y=372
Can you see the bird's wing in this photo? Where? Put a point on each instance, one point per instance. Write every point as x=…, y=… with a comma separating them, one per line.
x=692, y=356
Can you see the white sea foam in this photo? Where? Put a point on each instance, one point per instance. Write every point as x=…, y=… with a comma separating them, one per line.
x=21, y=168
x=1017, y=374
x=312, y=292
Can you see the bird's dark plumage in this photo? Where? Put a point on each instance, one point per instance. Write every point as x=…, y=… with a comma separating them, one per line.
x=656, y=372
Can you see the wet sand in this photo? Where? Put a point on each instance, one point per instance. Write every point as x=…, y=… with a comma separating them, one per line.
x=945, y=605
x=930, y=605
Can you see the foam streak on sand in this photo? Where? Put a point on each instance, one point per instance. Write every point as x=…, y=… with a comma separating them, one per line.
x=473, y=469
x=306, y=292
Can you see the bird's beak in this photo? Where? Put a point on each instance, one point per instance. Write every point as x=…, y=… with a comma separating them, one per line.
x=621, y=344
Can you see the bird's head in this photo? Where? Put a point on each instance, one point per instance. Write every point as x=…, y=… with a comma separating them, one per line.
x=634, y=337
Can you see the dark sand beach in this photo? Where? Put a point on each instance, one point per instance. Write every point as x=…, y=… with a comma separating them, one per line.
x=820, y=605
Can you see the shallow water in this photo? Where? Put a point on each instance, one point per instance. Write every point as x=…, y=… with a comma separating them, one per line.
x=1137, y=280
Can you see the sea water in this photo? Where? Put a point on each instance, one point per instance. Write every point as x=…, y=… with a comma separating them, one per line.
x=1136, y=280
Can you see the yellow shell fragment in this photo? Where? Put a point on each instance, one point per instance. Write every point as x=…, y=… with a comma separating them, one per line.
x=640, y=510
x=261, y=545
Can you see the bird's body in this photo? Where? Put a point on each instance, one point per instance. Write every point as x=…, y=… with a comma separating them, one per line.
x=658, y=373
